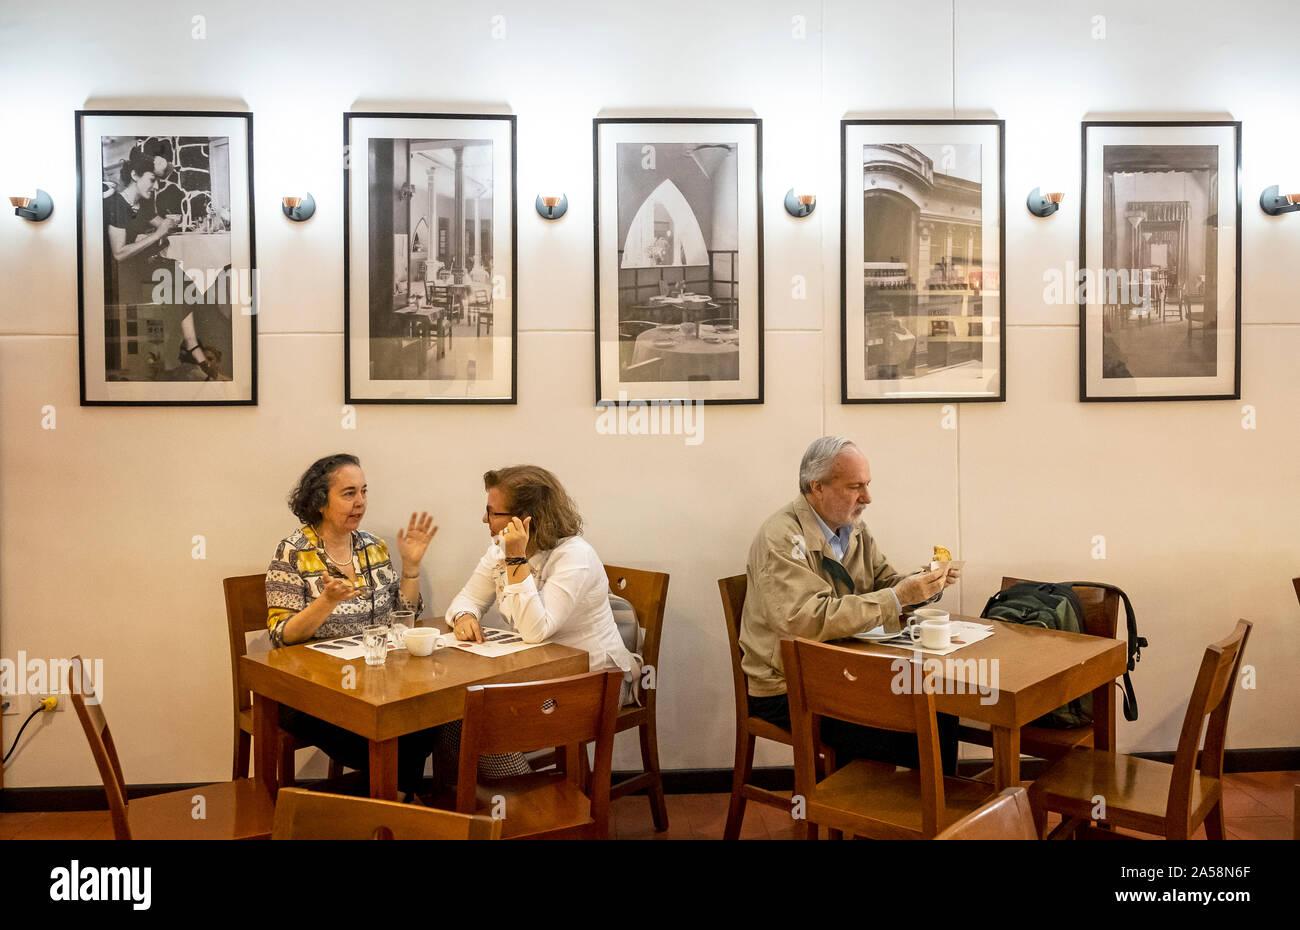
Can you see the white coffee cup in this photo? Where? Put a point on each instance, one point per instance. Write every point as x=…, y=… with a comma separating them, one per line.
x=933, y=628
x=421, y=640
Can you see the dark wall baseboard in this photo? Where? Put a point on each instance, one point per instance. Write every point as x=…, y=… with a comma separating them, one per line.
x=676, y=781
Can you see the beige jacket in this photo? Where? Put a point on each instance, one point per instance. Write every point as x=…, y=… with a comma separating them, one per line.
x=792, y=592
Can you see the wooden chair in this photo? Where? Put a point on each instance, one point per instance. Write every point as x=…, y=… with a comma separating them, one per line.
x=748, y=728
x=314, y=815
x=1007, y=817
x=565, y=714
x=1147, y=796
x=1101, y=610
x=867, y=798
x=647, y=593
x=231, y=810
x=246, y=613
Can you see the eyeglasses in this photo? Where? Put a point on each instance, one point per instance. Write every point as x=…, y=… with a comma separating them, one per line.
x=492, y=513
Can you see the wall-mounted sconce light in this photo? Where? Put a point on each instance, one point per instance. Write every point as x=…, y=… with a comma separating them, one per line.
x=799, y=205
x=36, y=208
x=1274, y=204
x=1043, y=205
x=299, y=209
x=552, y=206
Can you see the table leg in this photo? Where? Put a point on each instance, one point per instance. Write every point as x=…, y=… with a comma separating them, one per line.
x=383, y=769
x=1103, y=718
x=266, y=743
x=1006, y=757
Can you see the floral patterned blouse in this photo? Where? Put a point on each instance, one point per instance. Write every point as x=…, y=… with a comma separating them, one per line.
x=298, y=574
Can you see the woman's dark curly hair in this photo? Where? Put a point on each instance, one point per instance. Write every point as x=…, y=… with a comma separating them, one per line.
x=137, y=162
x=312, y=492
x=535, y=492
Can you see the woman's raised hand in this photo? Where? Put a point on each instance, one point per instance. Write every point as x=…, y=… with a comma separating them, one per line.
x=515, y=537
x=414, y=541
x=338, y=590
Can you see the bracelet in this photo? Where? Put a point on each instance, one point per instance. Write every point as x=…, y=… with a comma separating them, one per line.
x=416, y=575
x=516, y=560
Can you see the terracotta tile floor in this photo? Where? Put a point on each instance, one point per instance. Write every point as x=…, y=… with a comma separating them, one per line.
x=1257, y=805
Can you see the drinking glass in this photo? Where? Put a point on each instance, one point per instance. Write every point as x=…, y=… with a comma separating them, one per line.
x=374, y=639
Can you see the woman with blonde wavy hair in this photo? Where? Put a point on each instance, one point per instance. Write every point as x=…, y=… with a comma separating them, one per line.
x=548, y=582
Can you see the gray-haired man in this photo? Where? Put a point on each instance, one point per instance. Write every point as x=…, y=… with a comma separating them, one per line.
x=815, y=571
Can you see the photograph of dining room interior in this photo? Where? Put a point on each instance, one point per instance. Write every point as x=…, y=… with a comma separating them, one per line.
x=1160, y=223
x=431, y=259
x=678, y=262
x=167, y=292
x=924, y=269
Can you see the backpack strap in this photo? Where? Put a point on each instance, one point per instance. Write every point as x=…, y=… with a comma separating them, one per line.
x=1135, y=645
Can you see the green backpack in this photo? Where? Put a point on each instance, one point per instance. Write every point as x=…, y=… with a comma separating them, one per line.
x=1053, y=607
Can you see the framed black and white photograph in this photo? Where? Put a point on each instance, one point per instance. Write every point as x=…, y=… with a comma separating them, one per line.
x=167, y=284
x=679, y=255
x=1160, y=259
x=922, y=228
x=429, y=256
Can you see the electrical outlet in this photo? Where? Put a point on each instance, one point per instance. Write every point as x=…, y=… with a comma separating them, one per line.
x=20, y=705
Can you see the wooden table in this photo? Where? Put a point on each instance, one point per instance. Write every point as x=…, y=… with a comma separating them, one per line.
x=406, y=694
x=1038, y=670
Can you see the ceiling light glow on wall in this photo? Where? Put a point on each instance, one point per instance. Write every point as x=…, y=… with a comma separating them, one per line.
x=299, y=209
x=36, y=209
x=552, y=206
x=1043, y=205
x=800, y=205
x=1275, y=204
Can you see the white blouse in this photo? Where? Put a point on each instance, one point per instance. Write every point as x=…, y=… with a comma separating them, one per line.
x=565, y=599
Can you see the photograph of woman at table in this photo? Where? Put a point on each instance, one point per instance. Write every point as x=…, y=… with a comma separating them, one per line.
x=142, y=211
x=548, y=582
x=331, y=578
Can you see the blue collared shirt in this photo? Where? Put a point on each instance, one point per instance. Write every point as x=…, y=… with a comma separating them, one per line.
x=838, y=539
x=839, y=542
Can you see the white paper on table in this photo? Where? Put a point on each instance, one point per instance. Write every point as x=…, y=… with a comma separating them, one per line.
x=346, y=648
x=498, y=643
x=963, y=630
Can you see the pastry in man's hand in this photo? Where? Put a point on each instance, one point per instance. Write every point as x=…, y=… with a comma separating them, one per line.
x=941, y=554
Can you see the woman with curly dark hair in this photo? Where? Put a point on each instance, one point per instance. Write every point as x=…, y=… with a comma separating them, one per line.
x=331, y=578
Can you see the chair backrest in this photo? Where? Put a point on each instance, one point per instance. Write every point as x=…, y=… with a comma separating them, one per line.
x=95, y=724
x=1211, y=697
x=831, y=681
x=733, y=607
x=562, y=714
x=647, y=592
x=1101, y=607
x=316, y=815
x=245, y=613
x=1007, y=816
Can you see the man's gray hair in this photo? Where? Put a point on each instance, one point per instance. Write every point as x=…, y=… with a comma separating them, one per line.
x=819, y=460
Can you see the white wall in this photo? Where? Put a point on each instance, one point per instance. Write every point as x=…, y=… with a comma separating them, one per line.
x=1201, y=517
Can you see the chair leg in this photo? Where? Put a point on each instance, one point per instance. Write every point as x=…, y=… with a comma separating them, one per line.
x=1214, y=822
x=243, y=754
x=744, y=765
x=288, y=765
x=650, y=763
x=336, y=768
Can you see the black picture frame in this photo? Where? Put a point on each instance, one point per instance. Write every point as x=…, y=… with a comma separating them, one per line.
x=713, y=322
x=1186, y=270
x=884, y=304
x=201, y=275
x=403, y=347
